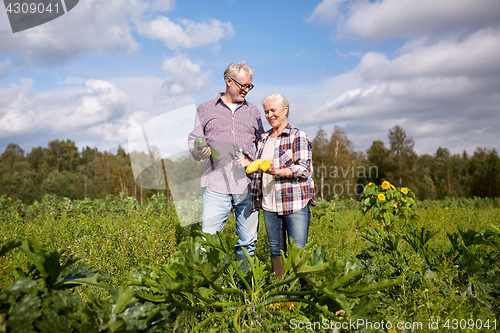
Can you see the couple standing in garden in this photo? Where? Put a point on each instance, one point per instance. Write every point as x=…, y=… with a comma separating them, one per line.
x=231, y=125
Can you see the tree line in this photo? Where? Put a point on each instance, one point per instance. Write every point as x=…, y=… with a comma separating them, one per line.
x=63, y=170
x=339, y=171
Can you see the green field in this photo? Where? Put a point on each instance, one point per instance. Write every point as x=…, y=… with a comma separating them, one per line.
x=117, y=236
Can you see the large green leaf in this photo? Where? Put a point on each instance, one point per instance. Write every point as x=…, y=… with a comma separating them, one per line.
x=221, y=241
x=256, y=274
x=418, y=238
x=9, y=246
x=51, y=322
x=338, y=298
x=304, y=261
x=138, y=316
x=123, y=297
x=48, y=264
x=22, y=286
x=471, y=237
x=23, y=314
x=365, y=287
x=74, y=280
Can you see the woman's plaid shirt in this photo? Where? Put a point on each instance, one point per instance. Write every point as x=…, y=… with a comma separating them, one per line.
x=292, y=150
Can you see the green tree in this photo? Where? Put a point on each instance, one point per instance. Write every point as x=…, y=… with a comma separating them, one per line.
x=403, y=156
x=71, y=156
x=442, y=172
x=477, y=180
x=425, y=188
x=54, y=154
x=103, y=174
x=36, y=158
x=13, y=165
x=12, y=154
x=123, y=177
x=380, y=161
x=342, y=170
x=493, y=175
x=320, y=159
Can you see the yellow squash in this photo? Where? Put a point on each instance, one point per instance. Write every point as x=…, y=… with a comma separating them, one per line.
x=265, y=165
x=254, y=166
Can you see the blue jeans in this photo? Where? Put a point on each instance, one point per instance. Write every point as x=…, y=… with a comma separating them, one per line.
x=217, y=206
x=296, y=225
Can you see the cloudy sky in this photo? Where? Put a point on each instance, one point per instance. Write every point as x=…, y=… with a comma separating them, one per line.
x=101, y=70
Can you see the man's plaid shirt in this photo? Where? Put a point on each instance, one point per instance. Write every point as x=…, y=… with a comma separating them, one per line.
x=292, y=150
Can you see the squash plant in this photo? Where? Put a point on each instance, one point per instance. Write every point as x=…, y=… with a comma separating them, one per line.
x=207, y=282
x=198, y=286
x=39, y=298
x=42, y=298
x=390, y=206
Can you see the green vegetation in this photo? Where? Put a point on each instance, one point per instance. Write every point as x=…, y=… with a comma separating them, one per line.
x=389, y=206
x=341, y=171
x=62, y=169
x=138, y=270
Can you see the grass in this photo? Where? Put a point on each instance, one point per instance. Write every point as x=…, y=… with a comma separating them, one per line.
x=132, y=237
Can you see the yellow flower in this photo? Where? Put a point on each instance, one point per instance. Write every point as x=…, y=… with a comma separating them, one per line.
x=392, y=186
x=386, y=185
x=370, y=184
x=391, y=330
x=381, y=197
x=290, y=306
x=404, y=190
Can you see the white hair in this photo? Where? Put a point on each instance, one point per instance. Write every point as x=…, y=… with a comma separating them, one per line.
x=234, y=69
x=280, y=98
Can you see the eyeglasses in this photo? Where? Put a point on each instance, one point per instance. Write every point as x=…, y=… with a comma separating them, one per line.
x=243, y=87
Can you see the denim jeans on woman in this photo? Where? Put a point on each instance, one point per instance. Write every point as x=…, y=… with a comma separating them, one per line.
x=296, y=225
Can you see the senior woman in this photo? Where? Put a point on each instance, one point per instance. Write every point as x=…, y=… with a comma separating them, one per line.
x=286, y=190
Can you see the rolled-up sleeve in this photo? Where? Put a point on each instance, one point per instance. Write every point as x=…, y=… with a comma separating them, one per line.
x=302, y=156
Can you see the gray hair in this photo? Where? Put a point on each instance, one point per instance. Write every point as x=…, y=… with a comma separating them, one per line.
x=234, y=69
x=280, y=98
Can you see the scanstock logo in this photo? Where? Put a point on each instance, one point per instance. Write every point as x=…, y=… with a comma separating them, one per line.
x=26, y=14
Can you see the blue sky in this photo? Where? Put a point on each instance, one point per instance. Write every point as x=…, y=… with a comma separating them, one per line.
x=99, y=71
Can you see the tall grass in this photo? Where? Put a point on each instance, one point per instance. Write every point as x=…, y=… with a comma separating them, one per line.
x=118, y=236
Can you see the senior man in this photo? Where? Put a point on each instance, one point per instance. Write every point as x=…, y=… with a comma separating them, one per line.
x=225, y=121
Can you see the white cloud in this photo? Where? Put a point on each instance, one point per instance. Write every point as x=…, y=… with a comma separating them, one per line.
x=107, y=26
x=161, y=6
x=186, y=33
x=139, y=88
x=100, y=102
x=117, y=131
x=441, y=85
x=100, y=113
x=185, y=79
x=477, y=54
x=3, y=67
x=351, y=53
x=443, y=94
x=380, y=20
x=23, y=111
x=326, y=11
x=90, y=27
